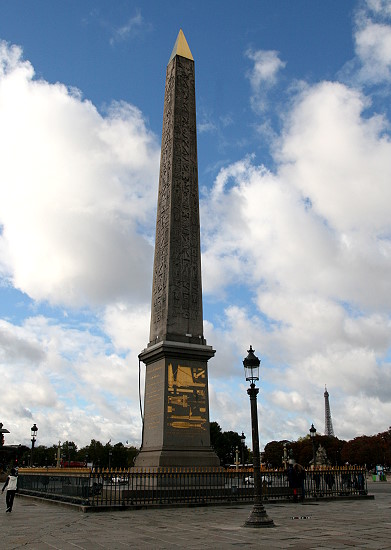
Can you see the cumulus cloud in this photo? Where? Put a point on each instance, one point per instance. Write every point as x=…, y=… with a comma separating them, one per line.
x=372, y=39
x=77, y=198
x=127, y=326
x=373, y=46
x=64, y=377
x=77, y=191
x=135, y=26
x=263, y=75
x=312, y=242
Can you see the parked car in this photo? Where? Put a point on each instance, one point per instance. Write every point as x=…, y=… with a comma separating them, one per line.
x=119, y=479
x=249, y=480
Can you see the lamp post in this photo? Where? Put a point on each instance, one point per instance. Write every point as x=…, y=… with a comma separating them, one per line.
x=258, y=516
x=285, y=456
x=110, y=455
x=312, y=436
x=58, y=460
x=243, y=442
x=70, y=449
x=34, y=430
x=2, y=432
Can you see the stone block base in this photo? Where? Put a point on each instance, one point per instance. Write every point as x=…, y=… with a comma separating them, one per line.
x=175, y=458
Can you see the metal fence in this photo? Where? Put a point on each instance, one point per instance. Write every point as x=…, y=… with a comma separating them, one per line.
x=183, y=486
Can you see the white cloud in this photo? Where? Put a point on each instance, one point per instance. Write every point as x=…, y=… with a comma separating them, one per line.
x=127, y=326
x=267, y=64
x=68, y=382
x=75, y=190
x=379, y=7
x=373, y=46
x=289, y=400
x=263, y=75
x=372, y=39
x=132, y=28
x=311, y=242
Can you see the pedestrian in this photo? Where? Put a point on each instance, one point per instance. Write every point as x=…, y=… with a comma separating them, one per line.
x=11, y=483
x=300, y=475
x=292, y=479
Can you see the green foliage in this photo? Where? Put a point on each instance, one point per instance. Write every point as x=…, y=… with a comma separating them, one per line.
x=69, y=451
x=361, y=451
x=302, y=451
x=369, y=451
x=96, y=453
x=225, y=443
x=273, y=454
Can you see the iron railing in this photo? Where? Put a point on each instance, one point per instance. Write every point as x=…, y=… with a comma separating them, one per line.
x=183, y=486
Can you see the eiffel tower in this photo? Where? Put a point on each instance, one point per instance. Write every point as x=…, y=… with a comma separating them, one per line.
x=328, y=424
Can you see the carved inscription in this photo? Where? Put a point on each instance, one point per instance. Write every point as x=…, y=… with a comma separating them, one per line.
x=161, y=262
x=186, y=398
x=177, y=292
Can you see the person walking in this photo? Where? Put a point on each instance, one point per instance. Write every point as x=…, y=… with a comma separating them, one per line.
x=292, y=479
x=11, y=483
x=296, y=478
x=300, y=477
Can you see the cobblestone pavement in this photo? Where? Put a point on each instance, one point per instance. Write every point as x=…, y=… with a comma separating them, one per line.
x=362, y=524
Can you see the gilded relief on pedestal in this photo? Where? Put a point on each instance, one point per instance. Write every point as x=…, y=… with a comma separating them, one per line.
x=186, y=401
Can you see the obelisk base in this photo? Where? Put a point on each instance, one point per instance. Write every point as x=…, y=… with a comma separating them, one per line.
x=175, y=458
x=176, y=416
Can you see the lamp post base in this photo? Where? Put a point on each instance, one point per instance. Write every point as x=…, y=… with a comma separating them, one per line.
x=259, y=518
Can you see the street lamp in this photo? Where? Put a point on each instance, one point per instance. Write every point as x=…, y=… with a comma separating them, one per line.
x=243, y=442
x=285, y=456
x=110, y=455
x=2, y=432
x=71, y=447
x=258, y=516
x=312, y=436
x=34, y=430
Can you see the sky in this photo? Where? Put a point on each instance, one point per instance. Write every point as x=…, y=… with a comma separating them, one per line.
x=294, y=159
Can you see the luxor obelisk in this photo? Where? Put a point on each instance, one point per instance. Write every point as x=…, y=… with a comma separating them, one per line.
x=176, y=403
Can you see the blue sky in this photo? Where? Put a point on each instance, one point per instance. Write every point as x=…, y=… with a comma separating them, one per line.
x=294, y=153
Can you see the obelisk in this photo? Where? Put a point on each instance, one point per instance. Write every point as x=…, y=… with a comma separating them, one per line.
x=176, y=404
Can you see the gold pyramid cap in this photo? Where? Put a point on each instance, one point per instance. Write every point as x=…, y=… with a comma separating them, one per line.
x=181, y=47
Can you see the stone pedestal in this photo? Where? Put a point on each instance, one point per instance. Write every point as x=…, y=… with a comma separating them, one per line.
x=176, y=413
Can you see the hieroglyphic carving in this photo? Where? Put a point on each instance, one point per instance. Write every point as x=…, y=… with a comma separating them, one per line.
x=161, y=262
x=186, y=397
x=177, y=293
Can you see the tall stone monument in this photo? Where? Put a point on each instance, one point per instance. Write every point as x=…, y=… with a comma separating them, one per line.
x=176, y=403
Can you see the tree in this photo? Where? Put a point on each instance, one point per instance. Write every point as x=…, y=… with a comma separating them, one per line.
x=99, y=454
x=69, y=451
x=273, y=454
x=96, y=453
x=365, y=450
x=43, y=456
x=121, y=456
x=225, y=443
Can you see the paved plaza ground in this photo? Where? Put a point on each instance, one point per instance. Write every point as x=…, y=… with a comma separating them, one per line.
x=334, y=524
